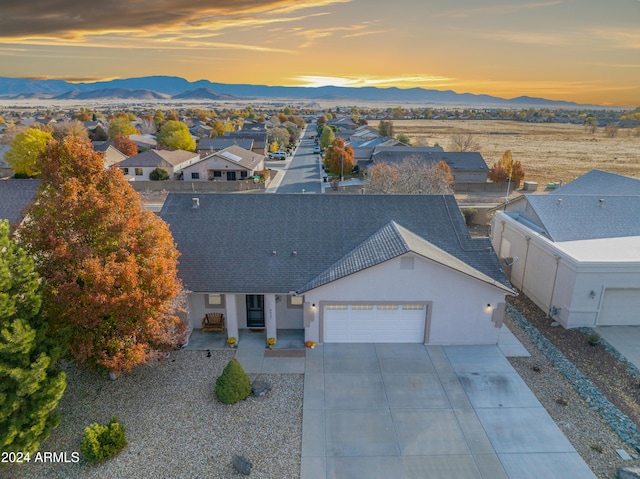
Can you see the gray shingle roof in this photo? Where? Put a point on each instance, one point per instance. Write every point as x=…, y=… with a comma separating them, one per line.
x=15, y=195
x=228, y=243
x=220, y=143
x=457, y=161
x=159, y=158
x=598, y=182
x=583, y=217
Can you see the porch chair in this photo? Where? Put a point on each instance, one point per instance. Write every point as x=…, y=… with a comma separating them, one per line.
x=213, y=322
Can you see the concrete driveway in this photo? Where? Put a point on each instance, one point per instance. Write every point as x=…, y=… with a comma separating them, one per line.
x=413, y=411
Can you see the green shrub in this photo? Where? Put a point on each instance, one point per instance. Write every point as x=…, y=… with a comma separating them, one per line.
x=100, y=442
x=159, y=175
x=233, y=385
x=468, y=215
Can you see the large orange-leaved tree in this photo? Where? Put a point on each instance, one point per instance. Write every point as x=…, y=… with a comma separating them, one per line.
x=110, y=266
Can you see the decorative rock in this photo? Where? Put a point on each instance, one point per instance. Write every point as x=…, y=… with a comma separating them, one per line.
x=260, y=388
x=555, y=324
x=629, y=473
x=623, y=454
x=242, y=465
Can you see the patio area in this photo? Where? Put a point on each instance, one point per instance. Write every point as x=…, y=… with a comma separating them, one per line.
x=288, y=339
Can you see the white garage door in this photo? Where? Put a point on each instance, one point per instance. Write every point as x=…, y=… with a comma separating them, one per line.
x=620, y=307
x=374, y=323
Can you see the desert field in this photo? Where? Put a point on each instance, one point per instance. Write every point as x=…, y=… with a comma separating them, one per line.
x=549, y=152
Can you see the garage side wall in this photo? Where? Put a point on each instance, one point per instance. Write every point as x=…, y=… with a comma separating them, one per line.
x=459, y=311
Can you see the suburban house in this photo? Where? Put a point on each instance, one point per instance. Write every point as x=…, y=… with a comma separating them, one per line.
x=15, y=195
x=139, y=167
x=112, y=156
x=5, y=169
x=231, y=164
x=366, y=268
x=209, y=145
x=259, y=139
x=144, y=142
x=466, y=167
x=576, y=251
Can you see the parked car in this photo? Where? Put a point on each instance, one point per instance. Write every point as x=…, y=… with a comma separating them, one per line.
x=312, y=137
x=277, y=155
x=316, y=149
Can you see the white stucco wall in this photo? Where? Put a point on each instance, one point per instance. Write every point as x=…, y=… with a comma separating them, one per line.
x=146, y=170
x=552, y=277
x=218, y=164
x=459, y=313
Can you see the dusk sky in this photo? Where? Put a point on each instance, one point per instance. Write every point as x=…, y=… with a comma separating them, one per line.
x=586, y=51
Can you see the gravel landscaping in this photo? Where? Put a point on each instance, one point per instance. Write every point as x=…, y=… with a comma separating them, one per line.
x=174, y=424
x=575, y=382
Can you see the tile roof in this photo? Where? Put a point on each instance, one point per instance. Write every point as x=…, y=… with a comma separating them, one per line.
x=15, y=195
x=280, y=243
x=390, y=241
x=159, y=158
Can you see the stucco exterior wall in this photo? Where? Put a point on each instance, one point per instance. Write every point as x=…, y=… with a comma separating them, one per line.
x=459, y=312
x=551, y=278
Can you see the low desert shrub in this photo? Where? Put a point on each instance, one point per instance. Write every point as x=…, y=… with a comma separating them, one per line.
x=233, y=384
x=100, y=442
x=468, y=215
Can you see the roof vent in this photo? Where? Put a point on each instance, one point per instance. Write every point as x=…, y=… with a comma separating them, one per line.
x=559, y=201
x=195, y=202
x=601, y=201
x=273, y=253
x=294, y=253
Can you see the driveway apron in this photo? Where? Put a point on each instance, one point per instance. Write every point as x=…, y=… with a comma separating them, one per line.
x=414, y=411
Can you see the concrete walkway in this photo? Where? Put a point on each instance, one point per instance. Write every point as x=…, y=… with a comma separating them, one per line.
x=625, y=339
x=414, y=411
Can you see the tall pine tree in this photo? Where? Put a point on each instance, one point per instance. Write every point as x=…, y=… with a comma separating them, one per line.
x=30, y=385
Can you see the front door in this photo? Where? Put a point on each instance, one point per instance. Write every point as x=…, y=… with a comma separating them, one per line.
x=255, y=311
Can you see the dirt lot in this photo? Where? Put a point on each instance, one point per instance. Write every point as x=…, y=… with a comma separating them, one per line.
x=548, y=151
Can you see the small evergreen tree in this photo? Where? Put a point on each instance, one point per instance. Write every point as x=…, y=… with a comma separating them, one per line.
x=101, y=442
x=159, y=174
x=233, y=384
x=30, y=385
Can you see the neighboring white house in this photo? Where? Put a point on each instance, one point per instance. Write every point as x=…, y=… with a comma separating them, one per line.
x=578, y=249
x=138, y=167
x=230, y=164
x=345, y=268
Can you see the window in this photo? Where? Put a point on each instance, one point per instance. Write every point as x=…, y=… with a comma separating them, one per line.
x=413, y=306
x=217, y=174
x=125, y=171
x=138, y=171
x=213, y=300
x=387, y=307
x=195, y=176
x=336, y=306
x=361, y=307
x=295, y=301
x=243, y=174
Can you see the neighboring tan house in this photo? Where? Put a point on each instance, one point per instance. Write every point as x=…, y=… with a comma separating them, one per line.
x=466, y=167
x=577, y=249
x=345, y=268
x=112, y=156
x=210, y=145
x=231, y=164
x=139, y=167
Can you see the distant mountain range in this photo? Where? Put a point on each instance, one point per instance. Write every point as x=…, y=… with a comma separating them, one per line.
x=166, y=87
